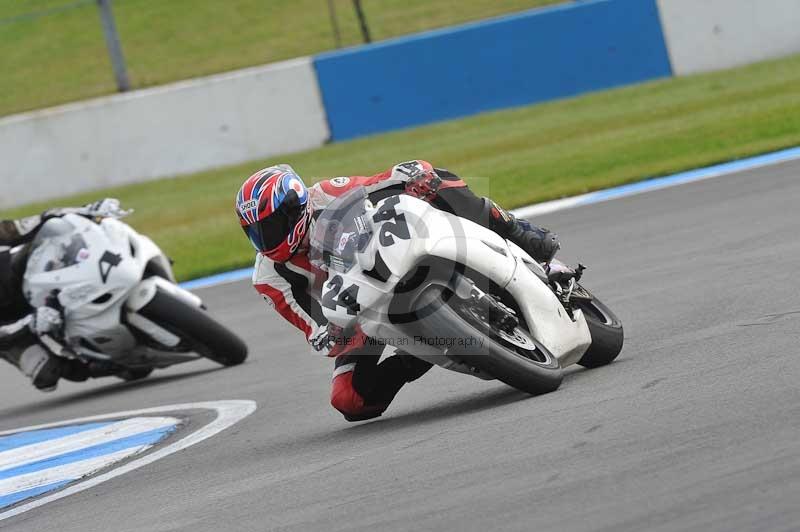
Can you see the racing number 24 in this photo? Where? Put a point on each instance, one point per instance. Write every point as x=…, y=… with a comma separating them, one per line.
x=335, y=297
x=395, y=226
x=395, y=223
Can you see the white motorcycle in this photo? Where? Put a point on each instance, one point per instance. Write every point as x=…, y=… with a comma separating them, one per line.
x=124, y=314
x=456, y=294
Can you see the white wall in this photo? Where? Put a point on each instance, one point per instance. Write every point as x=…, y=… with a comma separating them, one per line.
x=151, y=133
x=705, y=35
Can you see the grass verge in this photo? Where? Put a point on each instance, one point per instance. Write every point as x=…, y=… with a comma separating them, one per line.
x=518, y=156
x=52, y=51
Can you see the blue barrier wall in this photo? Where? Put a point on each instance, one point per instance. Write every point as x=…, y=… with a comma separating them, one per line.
x=531, y=57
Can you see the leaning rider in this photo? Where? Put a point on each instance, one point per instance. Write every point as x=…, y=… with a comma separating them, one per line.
x=276, y=210
x=22, y=327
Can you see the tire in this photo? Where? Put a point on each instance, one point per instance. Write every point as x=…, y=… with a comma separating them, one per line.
x=194, y=326
x=134, y=374
x=606, y=330
x=535, y=372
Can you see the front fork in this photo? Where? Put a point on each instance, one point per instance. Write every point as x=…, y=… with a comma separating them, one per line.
x=143, y=294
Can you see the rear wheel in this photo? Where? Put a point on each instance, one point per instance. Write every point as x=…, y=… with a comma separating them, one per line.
x=606, y=330
x=206, y=336
x=513, y=357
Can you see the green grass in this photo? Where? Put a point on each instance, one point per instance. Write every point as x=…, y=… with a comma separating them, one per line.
x=517, y=156
x=62, y=56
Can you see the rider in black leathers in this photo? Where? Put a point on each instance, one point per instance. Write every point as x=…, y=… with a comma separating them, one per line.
x=21, y=326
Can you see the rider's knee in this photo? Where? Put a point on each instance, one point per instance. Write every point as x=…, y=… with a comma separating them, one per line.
x=344, y=396
x=349, y=402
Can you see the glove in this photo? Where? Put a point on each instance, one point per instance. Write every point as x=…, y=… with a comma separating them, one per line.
x=423, y=185
x=346, y=341
x=321, y=338
x=106, y=208
x=46, y=320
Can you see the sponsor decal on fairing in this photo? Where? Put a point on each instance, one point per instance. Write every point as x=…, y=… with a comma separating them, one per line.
x=339, y=182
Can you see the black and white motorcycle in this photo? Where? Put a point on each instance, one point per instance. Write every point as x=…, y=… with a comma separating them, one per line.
x=124, y=314
x=456, y=294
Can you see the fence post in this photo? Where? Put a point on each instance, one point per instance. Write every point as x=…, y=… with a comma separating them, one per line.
x=362, y=19
x=114, y=46
x=337, y=35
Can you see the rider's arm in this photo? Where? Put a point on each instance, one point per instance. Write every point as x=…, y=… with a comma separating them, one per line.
x=286, y=290
x=22, y=230
x=16, y=333
x=15, y=232
x=416, y=178
x=15, y=339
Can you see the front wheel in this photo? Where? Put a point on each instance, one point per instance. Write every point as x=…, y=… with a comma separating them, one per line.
x=200, y=331
x=514, y=358
x=606, y=331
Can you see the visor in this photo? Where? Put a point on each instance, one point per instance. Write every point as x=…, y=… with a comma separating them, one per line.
x=268, y=233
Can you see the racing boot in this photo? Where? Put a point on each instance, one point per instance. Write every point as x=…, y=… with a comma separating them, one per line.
x=20, y=347
x=538, y=242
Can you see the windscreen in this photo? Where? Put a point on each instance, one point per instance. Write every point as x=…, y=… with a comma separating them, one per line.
x=57, y=246
x=341, y=231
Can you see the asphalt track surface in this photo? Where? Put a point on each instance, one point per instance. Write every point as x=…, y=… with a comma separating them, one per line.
x=696, y=426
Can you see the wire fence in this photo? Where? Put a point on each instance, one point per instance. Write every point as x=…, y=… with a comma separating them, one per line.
x=113, y=41
x=55, y=51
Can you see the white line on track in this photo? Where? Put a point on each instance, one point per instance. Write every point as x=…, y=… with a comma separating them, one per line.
x=228, y=413
x=71, y=471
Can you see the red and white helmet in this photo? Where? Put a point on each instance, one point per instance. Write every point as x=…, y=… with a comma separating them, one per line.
x=273, y=210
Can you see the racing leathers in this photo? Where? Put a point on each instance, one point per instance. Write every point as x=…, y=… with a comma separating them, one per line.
x=362, y=387
x=22, y=327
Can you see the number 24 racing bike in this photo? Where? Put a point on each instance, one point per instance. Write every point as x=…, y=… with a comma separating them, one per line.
x=456, y=294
